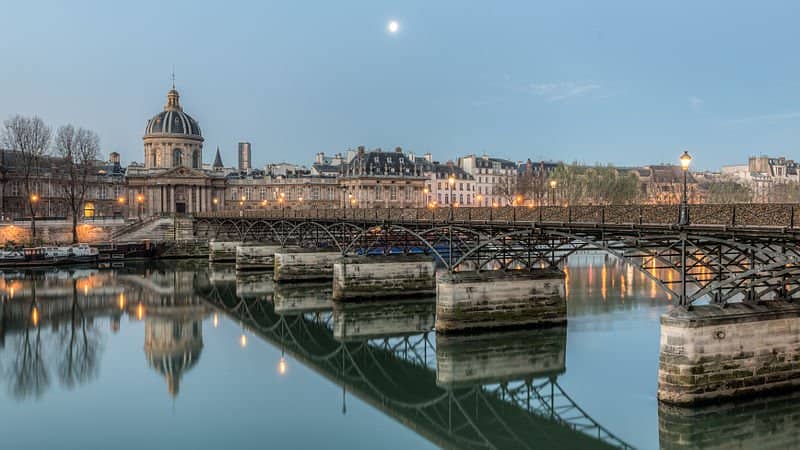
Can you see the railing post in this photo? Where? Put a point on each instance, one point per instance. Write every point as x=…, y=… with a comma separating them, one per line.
x=540, y=213
x=514, y=214
x=569, y=214
x=791, y=216
x=733, y=216
x=491, y=213
x=641, y=214
x=602, y=215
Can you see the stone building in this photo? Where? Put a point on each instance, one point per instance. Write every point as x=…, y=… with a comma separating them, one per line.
x=463, y=191
x=495, y=178
x=378, y=179
x=764, y=176
x=106, y=187
x=172, y=179
x=663, y=185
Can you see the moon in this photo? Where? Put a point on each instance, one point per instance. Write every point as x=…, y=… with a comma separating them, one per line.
x=393, y=26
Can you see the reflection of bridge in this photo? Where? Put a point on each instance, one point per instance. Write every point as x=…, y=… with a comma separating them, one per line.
x=522, y=407
x=728, y=252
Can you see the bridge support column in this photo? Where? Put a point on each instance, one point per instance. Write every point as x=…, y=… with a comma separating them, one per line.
x=372, y=277
x=747, y=349
x=304, y=264
x=467, y=301
x=222, y=251
x=256, y=257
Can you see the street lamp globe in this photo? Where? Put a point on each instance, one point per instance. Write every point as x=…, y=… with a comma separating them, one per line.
x=552, y=184
x=686, y=159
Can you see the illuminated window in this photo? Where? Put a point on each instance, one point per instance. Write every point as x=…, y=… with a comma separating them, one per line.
x=88, y=209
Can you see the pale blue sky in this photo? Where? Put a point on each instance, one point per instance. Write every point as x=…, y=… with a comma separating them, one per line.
x=627, y=82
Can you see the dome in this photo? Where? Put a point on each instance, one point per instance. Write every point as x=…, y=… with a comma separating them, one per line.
x=173, y=120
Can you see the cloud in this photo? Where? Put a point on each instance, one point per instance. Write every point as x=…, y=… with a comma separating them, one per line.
x=695, y=102
x=769, y=117
x=563, y=90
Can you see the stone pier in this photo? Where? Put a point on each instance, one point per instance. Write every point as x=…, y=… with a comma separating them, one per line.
x=710, y=353
x=222, y=251
x=304, y=264
x=299, y=298
x=366, y=320
x=260, y=257
x=466, y=360
x=371, y=277
x=469, y=301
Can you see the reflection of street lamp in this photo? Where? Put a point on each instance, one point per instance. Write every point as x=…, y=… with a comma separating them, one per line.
x=140, y=202
x=686, y=159
x=553, y=192
x=282, y=366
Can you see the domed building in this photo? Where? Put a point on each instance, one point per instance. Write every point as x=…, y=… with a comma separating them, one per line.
x=172, y=179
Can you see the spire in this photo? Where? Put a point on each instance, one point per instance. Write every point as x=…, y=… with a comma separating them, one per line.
x=217, y=160
x=173, y=103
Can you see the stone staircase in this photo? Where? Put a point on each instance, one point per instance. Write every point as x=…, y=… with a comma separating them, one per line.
x=153, y=229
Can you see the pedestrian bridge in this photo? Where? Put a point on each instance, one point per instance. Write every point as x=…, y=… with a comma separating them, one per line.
x=725, y=253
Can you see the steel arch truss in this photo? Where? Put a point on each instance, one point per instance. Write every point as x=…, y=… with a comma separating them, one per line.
x=720, y=265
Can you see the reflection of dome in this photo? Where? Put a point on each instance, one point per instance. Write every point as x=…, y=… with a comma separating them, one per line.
x=173, y=120
x=173, y=346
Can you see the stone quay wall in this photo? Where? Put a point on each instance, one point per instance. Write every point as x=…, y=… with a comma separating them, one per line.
x=59, y=232
x=371, y=277
x=746, y=349
x=467, y=301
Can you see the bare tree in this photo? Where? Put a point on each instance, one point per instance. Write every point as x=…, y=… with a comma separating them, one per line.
x=30, y=138
x=78, y=150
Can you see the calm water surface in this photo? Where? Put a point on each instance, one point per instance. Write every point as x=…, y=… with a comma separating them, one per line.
x=180, y=355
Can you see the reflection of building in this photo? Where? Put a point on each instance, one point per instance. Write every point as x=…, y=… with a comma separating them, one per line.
x=173, y=342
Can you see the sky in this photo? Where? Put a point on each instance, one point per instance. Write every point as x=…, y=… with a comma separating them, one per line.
x=621, y=82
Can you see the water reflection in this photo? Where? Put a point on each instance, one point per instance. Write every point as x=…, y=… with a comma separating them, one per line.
x=487, y=391
x=50, y=323
x=492, y=391
x=758, y=423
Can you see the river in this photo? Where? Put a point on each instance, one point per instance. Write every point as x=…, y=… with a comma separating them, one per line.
x=173, y=355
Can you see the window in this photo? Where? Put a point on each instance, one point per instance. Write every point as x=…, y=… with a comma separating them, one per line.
x=393, y=193
x=378, y=193
x=88, y=209
x=152, y=158
x=196, y=163
x=177, y=157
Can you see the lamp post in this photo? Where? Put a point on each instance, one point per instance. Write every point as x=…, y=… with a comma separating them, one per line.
x=553, y=192
x=215, y=201
x=241, y=206
x=425, y=192
x=686, y=159
x=139, y=202
x=34, y=199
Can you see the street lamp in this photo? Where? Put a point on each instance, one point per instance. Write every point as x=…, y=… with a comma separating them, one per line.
x=553, y=192
x=479, y=199
x=139, y=201
x=686, y=159
x=215, y=201
x=34, y=199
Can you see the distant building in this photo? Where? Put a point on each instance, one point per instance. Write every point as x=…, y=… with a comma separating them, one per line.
x=245, y=157
x=440, y=193
x=762, y=174
x=663, y=185
x=378, y=179
x=495, y=178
